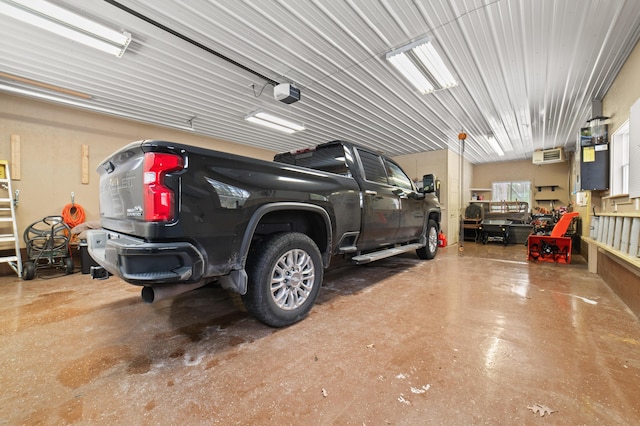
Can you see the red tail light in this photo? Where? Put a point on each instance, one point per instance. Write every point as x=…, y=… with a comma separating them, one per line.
x=158, y=199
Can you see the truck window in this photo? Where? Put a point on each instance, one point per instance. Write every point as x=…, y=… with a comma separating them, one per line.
x=373, y=167
x=397, y=177
x=328, y=159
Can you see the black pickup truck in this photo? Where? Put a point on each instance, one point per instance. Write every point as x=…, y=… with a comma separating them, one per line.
x=175, y=217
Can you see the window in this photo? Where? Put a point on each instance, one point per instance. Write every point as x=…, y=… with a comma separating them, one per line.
x=329, y=158
x=620, y=161
x=397, y=177
x=373, y=167
x=512, y=191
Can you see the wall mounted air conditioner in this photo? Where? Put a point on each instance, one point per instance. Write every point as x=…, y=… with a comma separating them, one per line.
x=548, y=156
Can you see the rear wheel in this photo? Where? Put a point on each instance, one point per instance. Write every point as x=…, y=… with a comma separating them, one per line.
x=68, y=265
x=431, y=249
x=28, y=270
x=285, y=274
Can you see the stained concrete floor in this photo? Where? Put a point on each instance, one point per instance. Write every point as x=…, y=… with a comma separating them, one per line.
x=473, y=339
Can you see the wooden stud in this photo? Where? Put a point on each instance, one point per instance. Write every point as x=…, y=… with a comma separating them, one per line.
x=85, y=163
x=16, y=170
x=47, y=86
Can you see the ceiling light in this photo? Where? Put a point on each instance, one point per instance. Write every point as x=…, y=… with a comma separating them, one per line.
x=422, y=66
x=68, y=24
x=274, y=122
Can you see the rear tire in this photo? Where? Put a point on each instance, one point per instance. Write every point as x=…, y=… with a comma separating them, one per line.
x=285, y=274
x=68, y=265
x=431, y=249
x=28, y=270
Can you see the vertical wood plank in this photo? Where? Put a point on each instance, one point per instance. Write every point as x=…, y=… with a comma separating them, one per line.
x=593, y=229
x=592, y=264
x=604, y=227
x=635, y=236
x=626, y=232
x=85, y=163
x=16, y=170
x=610, y=230
x=617, y=233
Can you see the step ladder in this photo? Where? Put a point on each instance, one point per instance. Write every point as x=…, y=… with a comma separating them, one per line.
x=8, y=225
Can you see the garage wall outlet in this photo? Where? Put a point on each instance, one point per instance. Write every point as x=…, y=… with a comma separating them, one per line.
x=286, y=93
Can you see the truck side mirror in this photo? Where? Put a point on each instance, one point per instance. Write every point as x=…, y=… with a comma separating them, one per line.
x=428, y=183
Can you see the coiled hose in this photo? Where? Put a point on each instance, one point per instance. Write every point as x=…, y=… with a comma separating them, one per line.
x=73, y=215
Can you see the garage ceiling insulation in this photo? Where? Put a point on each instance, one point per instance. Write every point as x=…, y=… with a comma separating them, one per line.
x=527, y=71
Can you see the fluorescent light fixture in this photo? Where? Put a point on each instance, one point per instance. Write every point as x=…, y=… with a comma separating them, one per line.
x=67, y=24
x=495, y=145
x=274, y=122
x=411, y=73
x=419, y=63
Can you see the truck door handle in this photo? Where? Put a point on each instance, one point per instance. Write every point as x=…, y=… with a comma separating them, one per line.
x=370, y=192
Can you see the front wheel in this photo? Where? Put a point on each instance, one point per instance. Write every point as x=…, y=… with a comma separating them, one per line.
x=28, y=270
x=68, y=265
x=431, y=249
x=285, y=274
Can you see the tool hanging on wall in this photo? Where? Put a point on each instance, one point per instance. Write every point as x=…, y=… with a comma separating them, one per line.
x=73, y=214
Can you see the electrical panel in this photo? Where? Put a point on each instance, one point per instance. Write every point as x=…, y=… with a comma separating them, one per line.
x=594, y=158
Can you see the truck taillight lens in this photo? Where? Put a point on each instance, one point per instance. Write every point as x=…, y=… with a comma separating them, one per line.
x=159, y=200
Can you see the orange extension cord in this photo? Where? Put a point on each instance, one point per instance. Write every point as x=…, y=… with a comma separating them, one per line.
x=73, y=215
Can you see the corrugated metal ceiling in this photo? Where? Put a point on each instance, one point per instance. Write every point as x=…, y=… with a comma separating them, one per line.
x=527, y=70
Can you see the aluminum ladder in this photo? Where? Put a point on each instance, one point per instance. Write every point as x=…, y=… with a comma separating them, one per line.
x=8, y=225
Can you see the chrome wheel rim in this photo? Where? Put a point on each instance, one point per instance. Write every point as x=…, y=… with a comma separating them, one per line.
x=292, y=279
x=433, y=239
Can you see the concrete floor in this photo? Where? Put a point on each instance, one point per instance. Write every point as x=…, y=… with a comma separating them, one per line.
x=473, y=339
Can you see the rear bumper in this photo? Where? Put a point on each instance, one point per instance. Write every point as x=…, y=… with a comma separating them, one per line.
x=143, y=263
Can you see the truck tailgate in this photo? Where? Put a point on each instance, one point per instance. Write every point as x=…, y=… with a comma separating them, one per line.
x=121, y=184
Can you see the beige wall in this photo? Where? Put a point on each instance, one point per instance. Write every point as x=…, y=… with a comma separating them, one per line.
x=445, y=164
x=540, y=175
x=51, y=139
x=434, y=162
x=624, y=92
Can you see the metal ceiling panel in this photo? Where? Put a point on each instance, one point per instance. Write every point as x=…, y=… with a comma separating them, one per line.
x=527, y=70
